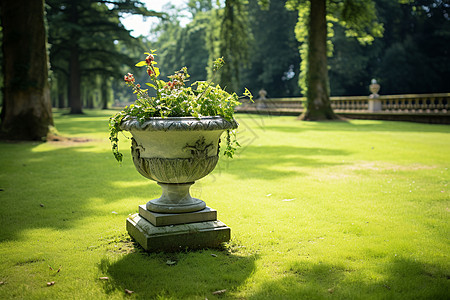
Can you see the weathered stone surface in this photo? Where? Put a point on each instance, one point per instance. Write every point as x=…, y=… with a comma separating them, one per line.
x=210, y=234
x=179, y=124
x=163, y=219
x=173, y=170
x=175, y=198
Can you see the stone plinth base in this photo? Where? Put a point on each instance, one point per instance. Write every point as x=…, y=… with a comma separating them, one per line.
x=173, y=232
x=163, y=219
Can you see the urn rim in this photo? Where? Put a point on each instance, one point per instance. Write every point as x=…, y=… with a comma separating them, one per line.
x=179, y=124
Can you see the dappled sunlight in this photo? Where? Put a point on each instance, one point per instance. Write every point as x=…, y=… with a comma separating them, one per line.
x=127, y=184
x=312, y=214
x=272, y=162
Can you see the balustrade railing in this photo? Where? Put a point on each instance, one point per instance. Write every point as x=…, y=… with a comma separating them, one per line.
x=386, y=104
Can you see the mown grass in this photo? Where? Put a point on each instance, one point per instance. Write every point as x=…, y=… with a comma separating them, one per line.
x=342, y=210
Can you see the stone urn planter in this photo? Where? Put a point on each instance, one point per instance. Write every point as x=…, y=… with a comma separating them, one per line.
x=374, y=101
x=176, y=152
x=175, y=142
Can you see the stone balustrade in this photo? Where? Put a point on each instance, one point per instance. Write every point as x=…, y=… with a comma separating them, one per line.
x=420, y=103
x=413, y=104
x=363, y=106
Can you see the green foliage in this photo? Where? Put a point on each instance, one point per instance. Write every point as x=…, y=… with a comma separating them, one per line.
x=273, y=51
x=358, y=17
x=414, y=43
x=175, y=99
x=232, y=42
x=87, y=40
x=349, y=65
x=184, y=46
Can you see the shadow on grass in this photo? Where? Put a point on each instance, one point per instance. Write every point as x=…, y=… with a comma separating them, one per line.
x=183, y=275
x=400, y=278
x=57, y=187
x=275, y=162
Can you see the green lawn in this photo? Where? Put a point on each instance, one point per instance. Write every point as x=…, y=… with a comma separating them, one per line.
x=340, y=210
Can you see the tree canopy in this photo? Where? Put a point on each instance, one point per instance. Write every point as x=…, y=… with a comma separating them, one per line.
x=264, y=44
x=86, y=38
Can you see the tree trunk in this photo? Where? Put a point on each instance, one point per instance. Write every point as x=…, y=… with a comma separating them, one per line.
x=61, y=91
x=226, y=77
x=318, y=106
x=75, y=102
x=104, y=92
x=27, y=111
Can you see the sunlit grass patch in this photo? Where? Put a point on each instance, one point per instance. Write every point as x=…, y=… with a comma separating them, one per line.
x=346, y=210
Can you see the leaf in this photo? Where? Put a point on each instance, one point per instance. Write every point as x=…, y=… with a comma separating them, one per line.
x=156, y=71
x=219, y=292
x=141, y=63
x=171, y=262
x=151, y=85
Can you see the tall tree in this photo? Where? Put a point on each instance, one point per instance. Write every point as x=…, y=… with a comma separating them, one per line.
x=231, y=42
x=85, y=33
x=318, y=104
x=358, y=16
x=26, y=113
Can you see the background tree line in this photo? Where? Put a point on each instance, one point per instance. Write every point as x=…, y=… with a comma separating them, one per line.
x=403, y=44
x=411, y=55
x=90, y=49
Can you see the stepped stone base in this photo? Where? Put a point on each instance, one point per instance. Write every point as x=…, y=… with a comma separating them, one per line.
x=173, y=232
x=162, y=219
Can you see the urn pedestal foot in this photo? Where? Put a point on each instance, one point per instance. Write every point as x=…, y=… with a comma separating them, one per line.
x=175, y=198
x=173, y=232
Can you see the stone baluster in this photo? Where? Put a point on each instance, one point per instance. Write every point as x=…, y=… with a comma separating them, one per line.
x=439, y=105
x=415, y=105
x=420, y=105
x=432, y=104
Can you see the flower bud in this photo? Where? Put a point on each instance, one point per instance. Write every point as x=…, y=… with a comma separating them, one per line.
x=149, y=59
